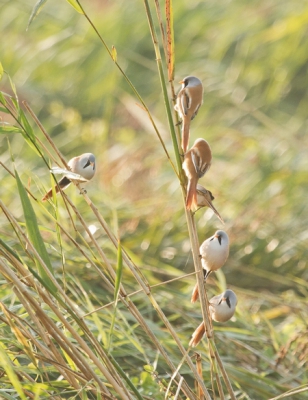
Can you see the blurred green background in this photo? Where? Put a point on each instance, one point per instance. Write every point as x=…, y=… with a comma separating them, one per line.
x=252, y=58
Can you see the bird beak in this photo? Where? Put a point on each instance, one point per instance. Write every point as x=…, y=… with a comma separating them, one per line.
x=181, y=82
x=93, y=164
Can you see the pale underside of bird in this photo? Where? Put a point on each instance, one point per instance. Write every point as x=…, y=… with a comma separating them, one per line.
x=197, y=161
x=82, y=169
x=188, y=102
x=222, y=308
x=214, y=252
x=205, y=199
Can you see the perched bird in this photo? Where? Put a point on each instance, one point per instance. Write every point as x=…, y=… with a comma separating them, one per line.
x=214, y=252
x=82, y=170
x=188, y=102
x=222, y=308
x=196, y=162
x=205, y=198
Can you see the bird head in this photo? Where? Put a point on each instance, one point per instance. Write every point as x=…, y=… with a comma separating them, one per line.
x=221, y=236
x=90, y=160
x=190, y=81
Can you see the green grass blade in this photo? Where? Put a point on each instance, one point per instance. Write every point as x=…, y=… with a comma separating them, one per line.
x=2, y=99
x=34, y=232
x=116, y=288
x=118, y=274
x=9, y=129
x=35, y=11
x=10, y=250
x=1, y=71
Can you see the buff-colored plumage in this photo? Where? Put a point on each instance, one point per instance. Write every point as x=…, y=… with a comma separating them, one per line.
x=197, y=162
x=188, y=102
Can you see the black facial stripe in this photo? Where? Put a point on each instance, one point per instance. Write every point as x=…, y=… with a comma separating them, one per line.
x=87, y=164
x=212, y=239
x=219, y=239
x=228, y=302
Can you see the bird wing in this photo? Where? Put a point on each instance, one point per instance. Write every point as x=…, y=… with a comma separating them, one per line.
x=69, y=174
x=199, y=167
x=185, y=102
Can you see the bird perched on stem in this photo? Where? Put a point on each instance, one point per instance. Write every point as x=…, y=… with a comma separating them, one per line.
x=197, y=162
x=205, y=198
x=214, y=252
x=82, y=169
x=188, y=102
x=222, y=308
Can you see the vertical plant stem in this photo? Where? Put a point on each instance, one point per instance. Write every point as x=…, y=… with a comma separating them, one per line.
x=223, y=371
x=164, y=89
x=190, y=222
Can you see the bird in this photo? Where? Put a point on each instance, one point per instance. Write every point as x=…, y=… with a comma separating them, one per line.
x=222, y=308
x=205, y=198
x=214, y=252
x=82, y=169
x=188, y=102
x=197, y=162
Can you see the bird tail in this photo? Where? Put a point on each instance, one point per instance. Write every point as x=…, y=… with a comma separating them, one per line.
x=210, y=205
x=63, y=183
x=195, y=294
x=191, y=199
x=185, y=135
x=197, y=335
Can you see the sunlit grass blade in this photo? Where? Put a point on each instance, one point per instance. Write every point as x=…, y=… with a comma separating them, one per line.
x=1, y=71
x=6, y=364
x=76, y=5
x=19, y=336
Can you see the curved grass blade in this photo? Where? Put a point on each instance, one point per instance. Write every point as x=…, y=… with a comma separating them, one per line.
x=35, y=11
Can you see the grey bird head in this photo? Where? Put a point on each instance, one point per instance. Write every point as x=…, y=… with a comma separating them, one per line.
x=191, y=81
x=89, y=159
x=222, y=237
x=229, y=297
